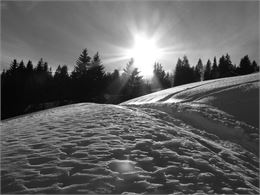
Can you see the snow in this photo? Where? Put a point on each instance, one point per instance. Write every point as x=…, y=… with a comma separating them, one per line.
x=152, y=144
x=228, y=107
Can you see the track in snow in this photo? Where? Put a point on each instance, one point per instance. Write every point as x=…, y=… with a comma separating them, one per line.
x=92, y=148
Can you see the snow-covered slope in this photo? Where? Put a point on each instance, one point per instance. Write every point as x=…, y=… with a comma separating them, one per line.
x=145, y=148
x=228, y=107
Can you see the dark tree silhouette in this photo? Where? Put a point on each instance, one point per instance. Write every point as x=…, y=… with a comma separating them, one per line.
x=82, y=65
x=226, y=68
x=167, y=81
x=13, y=66
x=183, y=72
x=255, y=67
x=27, y=88
x=132, y=82
x=80, y=81
x=198, y=72
x=160, y=79
x=177, y=79
x=207, y=72
x=29, y=67
x=215, y=70
x=245, y=66
x=61, y=83
x=113, y=87
x=96, y=76
x=113, y=80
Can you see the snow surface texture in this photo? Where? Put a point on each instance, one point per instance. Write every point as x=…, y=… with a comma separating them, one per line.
x=93, y=148
x=228, y=108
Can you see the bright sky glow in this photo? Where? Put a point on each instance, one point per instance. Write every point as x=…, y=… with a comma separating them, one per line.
x=145, y=53
x=57, y=31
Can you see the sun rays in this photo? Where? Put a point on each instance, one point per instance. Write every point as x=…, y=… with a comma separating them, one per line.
x=145, y=52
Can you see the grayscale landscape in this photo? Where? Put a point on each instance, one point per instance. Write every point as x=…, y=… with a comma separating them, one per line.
x=177, y=140
x=129, y=97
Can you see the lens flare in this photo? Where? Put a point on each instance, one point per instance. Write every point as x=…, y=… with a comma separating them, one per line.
x=145, y=53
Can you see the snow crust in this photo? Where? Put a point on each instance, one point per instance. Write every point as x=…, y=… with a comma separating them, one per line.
x=197, y=138
x=228, y=107
x=93, y=148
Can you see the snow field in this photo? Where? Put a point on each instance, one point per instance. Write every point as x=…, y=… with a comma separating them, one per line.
x=228, y=107
x=92, y=148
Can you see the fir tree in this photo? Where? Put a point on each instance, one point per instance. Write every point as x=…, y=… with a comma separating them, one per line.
x=160, y=78
x=40, y=66
x=207, y=71
x=245, y=66
x=82, y=65
x=131, y=81
x=214, y=71
x=96, y=76
x=29, y=67
x=225, y=66
x=198, y=72
x=177, y=79
x=97, y=69
x=255, y=67
x=13, y=68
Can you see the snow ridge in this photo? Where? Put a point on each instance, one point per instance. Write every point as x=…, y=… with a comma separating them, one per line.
x=92, y=148
x=228, y=107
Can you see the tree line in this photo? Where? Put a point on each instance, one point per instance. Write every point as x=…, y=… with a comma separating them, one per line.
x=184, y=73
x=27, y=88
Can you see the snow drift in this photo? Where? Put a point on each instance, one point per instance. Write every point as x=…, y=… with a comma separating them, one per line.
x=152, y=144
x=227, y=107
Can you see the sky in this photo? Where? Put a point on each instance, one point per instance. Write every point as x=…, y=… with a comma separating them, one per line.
x=58, y=31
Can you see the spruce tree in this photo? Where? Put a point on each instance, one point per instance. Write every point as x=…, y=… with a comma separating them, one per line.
x=29, y=66
x=177, y=79
x=255, y=67
x=82, y=65
x=96, y=77
x=188, y=72
x=97, y=69
x=214, y=71
x=245, y=66
x=198, y=72
x=207, y=72
x=225, y=66
x=131, y=81
x=40, y=66
x=158, y=76
x=80, y=79
x=13, y=67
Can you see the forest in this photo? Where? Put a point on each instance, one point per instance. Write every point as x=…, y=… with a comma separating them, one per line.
x=27, y=88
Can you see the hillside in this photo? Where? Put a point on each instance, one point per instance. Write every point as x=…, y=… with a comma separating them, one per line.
x=228, y=107
x=189, y=139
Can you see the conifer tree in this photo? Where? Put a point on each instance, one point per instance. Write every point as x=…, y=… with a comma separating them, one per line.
x=82, y=65
x=214, y=71
x=177, y=79
x=245, y=66
x=40, y=66
x=225, y=66
x=255, y=67
x=131, y=81
x=198, y=72
x=29, y=66
x=13, y=68
x=81, y=84
x=160, y=79
x=207, y=71
x=158, y=76
x=21, y=66
x=97, y=69
x=96, y=76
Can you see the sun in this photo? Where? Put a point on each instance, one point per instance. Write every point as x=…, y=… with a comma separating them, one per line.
x=145, y=53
